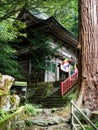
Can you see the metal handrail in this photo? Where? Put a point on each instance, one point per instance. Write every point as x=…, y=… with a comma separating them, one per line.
x=73, y=116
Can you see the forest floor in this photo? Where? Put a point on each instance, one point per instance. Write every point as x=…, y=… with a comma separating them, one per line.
x=51, y=119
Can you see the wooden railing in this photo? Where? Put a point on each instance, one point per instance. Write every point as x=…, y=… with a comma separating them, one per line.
x=68, y=83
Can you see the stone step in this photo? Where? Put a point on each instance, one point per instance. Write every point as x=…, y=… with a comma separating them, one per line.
x=49, y=97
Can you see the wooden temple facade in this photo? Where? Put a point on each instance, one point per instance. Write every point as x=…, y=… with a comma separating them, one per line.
x=57, y=35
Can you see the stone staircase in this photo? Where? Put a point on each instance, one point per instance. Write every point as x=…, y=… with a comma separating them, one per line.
x=54, y=99
x=47, y=94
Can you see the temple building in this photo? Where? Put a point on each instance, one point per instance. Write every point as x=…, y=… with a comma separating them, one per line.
x=58, y=35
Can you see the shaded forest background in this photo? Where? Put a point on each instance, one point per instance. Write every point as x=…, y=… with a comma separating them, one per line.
x=65, y=11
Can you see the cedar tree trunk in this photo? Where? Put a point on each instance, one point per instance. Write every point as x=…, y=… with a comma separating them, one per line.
x=88, y=54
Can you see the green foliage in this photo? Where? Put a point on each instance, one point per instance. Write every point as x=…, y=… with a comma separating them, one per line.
x=89, y=127
x=3, y=114
x=96, y=124
x=8, y=61
x=10, y=8
x=30, y=110
x=28, y=122
x=9, y=30
x=41, y=53
x=40, y=50
x=65, y=11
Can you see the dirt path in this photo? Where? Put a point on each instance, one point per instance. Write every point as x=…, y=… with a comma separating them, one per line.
x=53, y=127
x=50, y=119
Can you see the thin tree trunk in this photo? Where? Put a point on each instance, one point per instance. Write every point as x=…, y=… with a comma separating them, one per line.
x=88, y=54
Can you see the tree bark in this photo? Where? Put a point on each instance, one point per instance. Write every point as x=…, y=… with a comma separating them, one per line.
x=88, y=54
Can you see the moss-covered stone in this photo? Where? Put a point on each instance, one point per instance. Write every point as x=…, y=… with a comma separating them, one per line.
x=5, y=85
x=8, y=122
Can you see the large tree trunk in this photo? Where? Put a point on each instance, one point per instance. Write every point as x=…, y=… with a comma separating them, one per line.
x=88, y=54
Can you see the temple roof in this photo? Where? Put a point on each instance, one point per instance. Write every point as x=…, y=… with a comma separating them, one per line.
x=51, y=25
